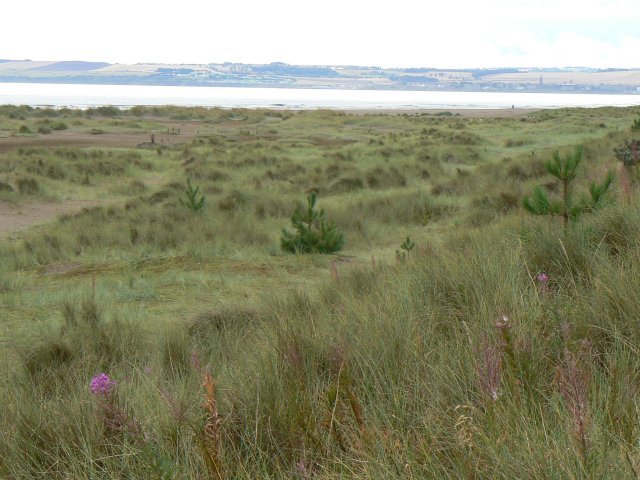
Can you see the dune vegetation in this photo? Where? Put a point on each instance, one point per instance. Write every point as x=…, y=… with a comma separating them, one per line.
x=453, y=335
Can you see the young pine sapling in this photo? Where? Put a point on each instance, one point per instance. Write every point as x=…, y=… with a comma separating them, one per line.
x=313, y=233
x=192, y=201
x=565, y=169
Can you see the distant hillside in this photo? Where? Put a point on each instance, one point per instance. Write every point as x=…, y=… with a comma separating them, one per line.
x=72, y=66
x=279, y=74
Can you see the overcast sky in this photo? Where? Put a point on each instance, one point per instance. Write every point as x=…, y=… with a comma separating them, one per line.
x=389, y=33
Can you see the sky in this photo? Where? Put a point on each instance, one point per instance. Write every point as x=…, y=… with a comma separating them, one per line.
x=389, y=33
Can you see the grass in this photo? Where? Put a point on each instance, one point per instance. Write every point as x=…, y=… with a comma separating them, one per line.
x=321, y=366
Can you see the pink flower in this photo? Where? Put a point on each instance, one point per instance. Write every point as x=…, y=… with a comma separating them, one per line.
x=543, y=278
x=101, y=384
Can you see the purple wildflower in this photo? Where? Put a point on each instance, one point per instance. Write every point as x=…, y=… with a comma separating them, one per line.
x=101, y=384
x=543, y=281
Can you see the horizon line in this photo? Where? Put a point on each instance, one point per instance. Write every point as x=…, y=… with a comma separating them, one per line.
x=277, y=62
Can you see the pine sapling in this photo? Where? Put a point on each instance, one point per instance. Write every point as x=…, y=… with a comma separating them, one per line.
x=313, y=233
x=192, y=202
x=405, y=249
x=565, y=169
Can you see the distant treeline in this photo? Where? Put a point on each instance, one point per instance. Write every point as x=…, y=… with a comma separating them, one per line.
x=412, y=79
x=493, y=71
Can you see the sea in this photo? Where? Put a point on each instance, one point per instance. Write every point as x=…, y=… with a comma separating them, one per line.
x=125, y=96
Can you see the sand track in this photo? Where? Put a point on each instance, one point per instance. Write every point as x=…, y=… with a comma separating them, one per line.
x=75, y=138
x=16, y=218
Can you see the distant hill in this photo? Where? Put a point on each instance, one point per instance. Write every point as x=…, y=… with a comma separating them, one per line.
x=280, y=74
x=72, y=66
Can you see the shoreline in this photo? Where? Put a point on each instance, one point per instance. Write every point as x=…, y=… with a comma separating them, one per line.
x=355, y=101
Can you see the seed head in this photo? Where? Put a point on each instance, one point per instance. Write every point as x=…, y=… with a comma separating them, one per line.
x=503, y=323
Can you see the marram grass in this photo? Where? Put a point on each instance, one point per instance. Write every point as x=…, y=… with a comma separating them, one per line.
x=144, y=340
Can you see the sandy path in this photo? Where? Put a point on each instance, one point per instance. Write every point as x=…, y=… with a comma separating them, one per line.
x=15, y=218
x=75, y=138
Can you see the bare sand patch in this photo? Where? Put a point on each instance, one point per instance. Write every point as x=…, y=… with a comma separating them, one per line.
x=16, y=218
x=74, y=138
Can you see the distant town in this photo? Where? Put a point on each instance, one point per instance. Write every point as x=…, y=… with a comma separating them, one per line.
x=278, y=74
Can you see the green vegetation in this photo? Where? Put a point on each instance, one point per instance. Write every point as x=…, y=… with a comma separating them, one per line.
x=405, y=249
x=142, y=342
x=192, y=201
x=565, y=170
x=629, y=152
x=313, y=233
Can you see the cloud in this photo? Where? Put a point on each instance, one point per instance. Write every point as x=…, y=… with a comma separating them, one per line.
x=465, y=33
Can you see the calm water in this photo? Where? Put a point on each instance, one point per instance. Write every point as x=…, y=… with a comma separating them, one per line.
x=82, y=96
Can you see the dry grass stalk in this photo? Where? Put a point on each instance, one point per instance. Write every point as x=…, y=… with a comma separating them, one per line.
x=625, y=183
x=464, y=426
x=573, y=384
x=176, y=408
x=212, y=435
x=489, y=369
x=334, y=272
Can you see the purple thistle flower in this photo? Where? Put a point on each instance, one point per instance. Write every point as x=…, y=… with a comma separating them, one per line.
x=543, y=278
x=101, y=384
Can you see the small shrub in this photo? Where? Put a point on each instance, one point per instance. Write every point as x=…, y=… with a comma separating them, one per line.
x=46, y=358
x=346, y=184
x=5, y=187
x=136, y=186
x=106, y=111
x=192, y=202
x=313, y=233
x=517, y=142
x=27, y=186
x=405, y=249
x=501, y=203
x=629, y=152
x=233, y=201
